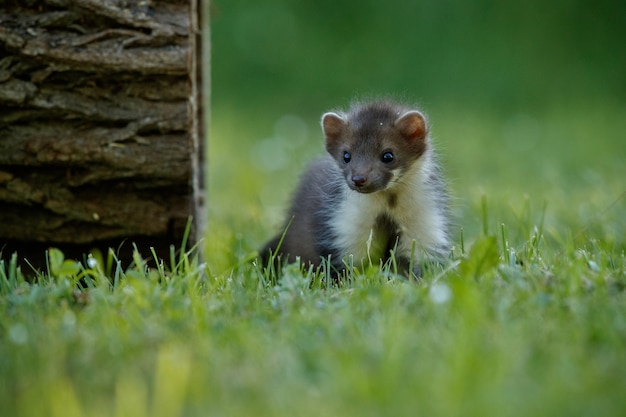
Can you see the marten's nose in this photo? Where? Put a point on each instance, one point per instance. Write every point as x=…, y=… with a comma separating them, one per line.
x=359, y=180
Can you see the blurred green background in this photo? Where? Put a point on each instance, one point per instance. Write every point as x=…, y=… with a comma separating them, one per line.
x=527, y=102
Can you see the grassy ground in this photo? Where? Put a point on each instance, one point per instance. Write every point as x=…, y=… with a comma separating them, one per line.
x=489, y=336
x=529, y=317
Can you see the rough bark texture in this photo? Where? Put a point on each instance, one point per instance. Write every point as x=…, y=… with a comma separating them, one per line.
x=98, y=124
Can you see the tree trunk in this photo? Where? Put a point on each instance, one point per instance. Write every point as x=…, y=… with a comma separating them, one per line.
x=101, y=123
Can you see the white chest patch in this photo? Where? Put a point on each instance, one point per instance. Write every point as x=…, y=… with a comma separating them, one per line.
x=414, y=211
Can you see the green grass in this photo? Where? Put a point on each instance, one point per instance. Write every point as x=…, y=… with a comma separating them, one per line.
x=529, y=331
x=528, y=318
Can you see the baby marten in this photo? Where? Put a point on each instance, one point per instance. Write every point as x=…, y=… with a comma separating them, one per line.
x=377, y=191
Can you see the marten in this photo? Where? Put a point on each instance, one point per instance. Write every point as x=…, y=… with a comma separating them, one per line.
x=379, y=192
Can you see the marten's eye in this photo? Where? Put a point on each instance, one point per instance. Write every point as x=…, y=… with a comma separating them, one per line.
x=347, y=157
x=386, y=157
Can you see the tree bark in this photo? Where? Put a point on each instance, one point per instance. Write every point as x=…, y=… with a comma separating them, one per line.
x=101, y=122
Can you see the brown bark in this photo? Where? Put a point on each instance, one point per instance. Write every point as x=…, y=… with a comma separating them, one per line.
x=100, y=120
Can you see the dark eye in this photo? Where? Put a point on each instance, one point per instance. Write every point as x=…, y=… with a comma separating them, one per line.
x=347, y=157
x=387, y=157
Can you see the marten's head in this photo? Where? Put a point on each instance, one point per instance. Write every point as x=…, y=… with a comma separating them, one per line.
x=374, y=144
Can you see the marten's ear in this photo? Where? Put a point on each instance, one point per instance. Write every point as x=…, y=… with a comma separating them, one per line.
x=333, y=126
x=412, y=126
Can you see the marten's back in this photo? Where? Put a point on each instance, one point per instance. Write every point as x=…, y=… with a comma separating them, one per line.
x=306, y=233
